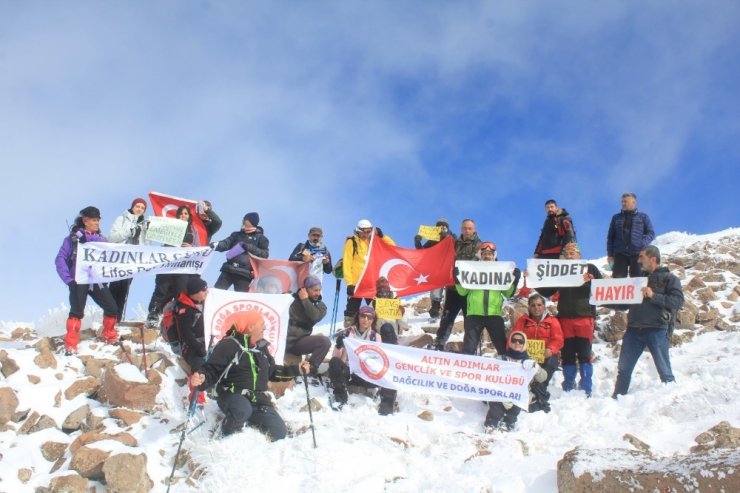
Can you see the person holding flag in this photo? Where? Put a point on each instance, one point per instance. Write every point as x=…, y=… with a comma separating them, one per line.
x=436, y=294
x=355, y=255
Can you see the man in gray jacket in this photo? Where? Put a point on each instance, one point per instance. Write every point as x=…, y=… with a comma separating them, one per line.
x=650, y=323
x=306, y=311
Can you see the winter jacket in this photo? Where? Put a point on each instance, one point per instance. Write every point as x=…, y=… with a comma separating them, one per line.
x=315, y=250
x=213, y=224
x=556, y=233
x=354, y=256
x=629, y=232
x=189, y=328
x=304, y=314
x=128, y=228
x=352, y=332
x=547, y=329
x=487, y=302
x=658, y=312
x=66, y=258
x=241, y=244
x=573, y=302
x=254, y=366
x=467, y=249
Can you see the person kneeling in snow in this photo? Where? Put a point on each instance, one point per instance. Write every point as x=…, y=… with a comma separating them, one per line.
x=240, y=367
x=503, y=415
x=364, y=327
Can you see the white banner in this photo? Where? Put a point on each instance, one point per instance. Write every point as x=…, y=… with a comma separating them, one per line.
x=317, y=267
x=221, y=305
x=434, y=372
x=553, y=273
x=485, y=275
x=99, y=262
x=624, y=291
x=166, y=230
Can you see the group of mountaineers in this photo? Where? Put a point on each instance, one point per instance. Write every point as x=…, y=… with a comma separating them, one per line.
x=239, y=365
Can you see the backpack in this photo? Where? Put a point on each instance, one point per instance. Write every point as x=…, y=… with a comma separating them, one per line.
x=168, y=327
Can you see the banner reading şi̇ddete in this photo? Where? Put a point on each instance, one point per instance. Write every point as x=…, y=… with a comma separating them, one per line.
x=555, y=273
x=432, y=372
x=99, y=262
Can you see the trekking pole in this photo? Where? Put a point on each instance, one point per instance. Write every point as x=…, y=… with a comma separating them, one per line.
x=332, y=330
x=191, y=412
x=308, y=401
x=143, y=348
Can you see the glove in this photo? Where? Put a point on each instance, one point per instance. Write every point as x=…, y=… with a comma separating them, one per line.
x=213, y=245
x=350, y=290
x=340, y=341
x=379, y=232
x=528, y=364
x=417, y=241
x=517, y=273
x=81, y=237
x=456, y=271
x=140, y=219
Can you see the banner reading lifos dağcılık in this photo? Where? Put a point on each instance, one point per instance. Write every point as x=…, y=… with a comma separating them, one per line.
x=555, y=273
x=99, y=262
x=221, y=305
x=432, y=372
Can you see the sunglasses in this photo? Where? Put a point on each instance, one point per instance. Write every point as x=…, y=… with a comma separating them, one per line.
x=366, y=230
x=367, y=315
x=517, y=341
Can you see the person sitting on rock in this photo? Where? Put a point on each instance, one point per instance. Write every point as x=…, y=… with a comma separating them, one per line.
x=503, y=415
x=364, y=327
x=240, y=367
x=306, y=311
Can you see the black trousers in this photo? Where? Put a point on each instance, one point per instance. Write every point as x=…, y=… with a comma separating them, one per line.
x=453, y=304
x=576, y=349
x=239, y=411
x=119, y=290
x=226, y=280
x=100, y=294
x=166, y=288
x=624, y=264
x=474, y=325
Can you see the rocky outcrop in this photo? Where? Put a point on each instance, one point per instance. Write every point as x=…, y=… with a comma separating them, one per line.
x=132, y=395
x=8, y=404
x=127, y=472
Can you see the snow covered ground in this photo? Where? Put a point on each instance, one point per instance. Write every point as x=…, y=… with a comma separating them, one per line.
x=361, y=451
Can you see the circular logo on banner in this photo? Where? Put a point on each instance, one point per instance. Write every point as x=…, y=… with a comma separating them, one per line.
x=225, y=314
x=373, y=361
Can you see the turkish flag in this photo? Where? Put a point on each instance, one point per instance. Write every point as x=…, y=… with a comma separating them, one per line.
x=408, y=270
x=166, y=206
x=277, y=276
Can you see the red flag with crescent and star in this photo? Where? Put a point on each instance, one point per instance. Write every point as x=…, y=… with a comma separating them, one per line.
x=408, y=270
x=166, y=206
x=277, y=276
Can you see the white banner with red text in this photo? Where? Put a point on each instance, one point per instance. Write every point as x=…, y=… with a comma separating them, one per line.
x=432, y=372
x=99, y=262
x=221, y=306
x=623, y=291
x=554, y=273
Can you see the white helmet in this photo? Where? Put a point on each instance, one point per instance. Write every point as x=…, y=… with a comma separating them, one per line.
x=363, y=224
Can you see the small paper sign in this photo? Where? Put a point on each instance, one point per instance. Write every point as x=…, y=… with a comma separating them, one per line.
x=430, y=232
x=536, y=349
x=389, y=308
x=166, y=230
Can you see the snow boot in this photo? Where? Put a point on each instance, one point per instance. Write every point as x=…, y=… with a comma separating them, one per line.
x=586, y=384
x=72, y=337
x=569, y=377
x=387, y=402
x=348, y=321
x=109, y=335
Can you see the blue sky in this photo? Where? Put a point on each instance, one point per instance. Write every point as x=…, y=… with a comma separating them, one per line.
x=322, y=113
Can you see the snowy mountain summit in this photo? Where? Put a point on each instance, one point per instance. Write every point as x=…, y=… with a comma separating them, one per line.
x=110, y=418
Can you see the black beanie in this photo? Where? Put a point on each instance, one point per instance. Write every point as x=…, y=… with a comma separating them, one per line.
x=91, y=212
x=253, y=218
x=196, y=285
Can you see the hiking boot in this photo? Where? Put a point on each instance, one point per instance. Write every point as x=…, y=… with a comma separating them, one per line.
x=152, y=321
x=386, y=407
x=348, y=321
x=109, y=335
x=341, y=396
x=72, y=337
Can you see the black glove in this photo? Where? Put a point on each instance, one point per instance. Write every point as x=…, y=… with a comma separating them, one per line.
x=340, y=341
x=517, y=275
x=379, y=232
x=350, y=290
x=417, y=241
x=140, y=219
